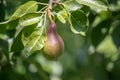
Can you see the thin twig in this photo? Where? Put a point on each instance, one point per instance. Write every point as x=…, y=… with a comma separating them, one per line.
x=42, y=3
x=40, y=11
x=50, y=4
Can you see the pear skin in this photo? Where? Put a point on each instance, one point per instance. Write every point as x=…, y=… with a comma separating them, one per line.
x=54, y=45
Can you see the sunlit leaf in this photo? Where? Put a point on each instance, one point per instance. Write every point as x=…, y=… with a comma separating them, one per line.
x=17, y=43
x=61, y=18
x=34, y=42
x=34, y=39
x=27, y=31
x=95, y=5
x=29, y=19
x=64, y=13
x=40, y=22
x=109, y=51
x=72, y=5
x=28, y=7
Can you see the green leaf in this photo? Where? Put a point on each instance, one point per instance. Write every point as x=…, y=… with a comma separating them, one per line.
x=78, y=22
x=40, y=24
x=17, y=44
x=29, y=19
x=27, y=31
x=108, y=48
x=61, y=18
x=72, y=5
x=12, y=24
x=28, y=7
x=116, y=34
x=100, y=31
x=34, y=42
x=2, y=28
x=95, y=5
x=3, y=46
x=64, y=13
x=34, y=39
x=9, y=25
x=85, y=9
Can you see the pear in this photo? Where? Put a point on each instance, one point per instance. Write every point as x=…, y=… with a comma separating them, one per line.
x=54, y=45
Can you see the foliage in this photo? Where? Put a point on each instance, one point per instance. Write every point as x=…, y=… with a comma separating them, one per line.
x=95, y=54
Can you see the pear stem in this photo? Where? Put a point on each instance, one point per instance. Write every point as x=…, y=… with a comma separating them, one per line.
x=50, y=8
x=50, y=16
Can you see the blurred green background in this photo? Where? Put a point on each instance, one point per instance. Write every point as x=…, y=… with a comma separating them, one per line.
x=95, y=56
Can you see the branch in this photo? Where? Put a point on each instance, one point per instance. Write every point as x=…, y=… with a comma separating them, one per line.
x=49, y=10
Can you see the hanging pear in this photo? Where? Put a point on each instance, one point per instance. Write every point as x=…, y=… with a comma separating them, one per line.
x=54, y=45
